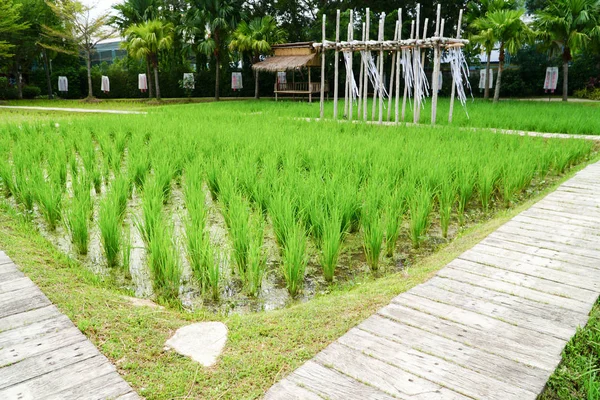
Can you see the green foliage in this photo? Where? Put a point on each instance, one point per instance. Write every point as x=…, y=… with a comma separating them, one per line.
x=294, y=258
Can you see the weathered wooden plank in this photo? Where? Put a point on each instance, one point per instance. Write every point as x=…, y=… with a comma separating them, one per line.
x=60, y=380
x=45, y=363
x=333, y=385
x=557, y=232
x=390, y=379
x=28, y=317
x=500, y=258
x=516, y=290
x=30, y=348
x=549, y=344
x=533, y=282
x=10, y=306
x=468, y=335
x=534, y=255
x=566, y=208
x=452, y=376
x=34, y=331
x=10, y=275
x=551, y=313
x=556, y=225
x=542, y=244
x=590, y=201
x=106, y=386
x=16, y=284
x=507, y=314
x=286, y=390
x=587, y=248
x=486, y=363
x=561, y=217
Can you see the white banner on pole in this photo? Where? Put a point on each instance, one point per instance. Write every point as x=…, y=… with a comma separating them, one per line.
x=551, y=79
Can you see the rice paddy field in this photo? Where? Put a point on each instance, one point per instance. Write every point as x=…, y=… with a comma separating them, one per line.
x=248, y=213
x=214, y=208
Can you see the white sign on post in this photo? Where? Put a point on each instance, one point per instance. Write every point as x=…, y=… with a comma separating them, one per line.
x=236, y=81
x=482, y=75
x=551, y=79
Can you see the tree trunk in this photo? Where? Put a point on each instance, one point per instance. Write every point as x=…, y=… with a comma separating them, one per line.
x=19, y=80
x=156, y=82
x=150, y=84
x=47, y=70
x=256, y=86
x=499, y=78
x=89, y=73
x=566, y=58
x=486, y=92
x=217, y=77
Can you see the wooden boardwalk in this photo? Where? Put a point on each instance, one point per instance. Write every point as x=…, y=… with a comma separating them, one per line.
x=490, y=325
x=42, y=354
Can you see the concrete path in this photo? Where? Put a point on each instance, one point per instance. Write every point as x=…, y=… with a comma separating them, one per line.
x=490, y=325
x=76, y=110
x=42, y=354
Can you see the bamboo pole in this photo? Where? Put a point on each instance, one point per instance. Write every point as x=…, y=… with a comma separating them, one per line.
x=337, y=66
x=412, y=31
x=458, y=34
x=322, y=73
x=381, y=54
x=366, y=68
x=416, y=55
x=436, y=68
x=399, y=35
x=392, y=77
x=351, y=72
x=360, y=78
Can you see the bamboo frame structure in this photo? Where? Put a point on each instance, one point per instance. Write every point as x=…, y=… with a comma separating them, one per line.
x=407, y=60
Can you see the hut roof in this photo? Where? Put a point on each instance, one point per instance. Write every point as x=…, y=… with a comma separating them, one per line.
x=286, y=63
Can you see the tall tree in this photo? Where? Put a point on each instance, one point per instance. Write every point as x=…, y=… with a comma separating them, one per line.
x=132, y=12
x=147, y=40
x=213, y=21
x=10, y=23
x=256, y=39
x=567, y=27
x=485, y=38
x=81, y=31
x=508, y=29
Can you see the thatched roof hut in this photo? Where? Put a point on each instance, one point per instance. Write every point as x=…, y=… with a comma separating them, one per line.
x=290, y=56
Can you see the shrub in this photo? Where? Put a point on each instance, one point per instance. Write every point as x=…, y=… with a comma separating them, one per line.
x=31, y=92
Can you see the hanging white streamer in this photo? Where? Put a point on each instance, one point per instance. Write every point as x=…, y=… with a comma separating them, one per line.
x=420, y=78
x=407, y=69
x=373, y=73
x=353, y=86
x=460, y=73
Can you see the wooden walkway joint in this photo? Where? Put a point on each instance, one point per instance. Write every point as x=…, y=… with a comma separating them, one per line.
x=491, y=324
x=42, y=354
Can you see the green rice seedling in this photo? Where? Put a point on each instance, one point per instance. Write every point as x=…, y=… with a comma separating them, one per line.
x=152, y=205
x=465, y=182
x=446, y=197
x=257, y=260
x=212, y=177
x=213, y=259
x=281, y=209
x=420, y=209
x=509, y=187
x=138, y=168
x=485, y=184
x=163, y=171
x=294, y=258
x=109, y=222
x=49, y=198
x=121, y=190
x=164, y=262
x=25, y=190
x=6, y=178
x=77, y=223
x=126, y=250
x=395, y=209
x=331, y=244
x=372, y=233
x=237, y=216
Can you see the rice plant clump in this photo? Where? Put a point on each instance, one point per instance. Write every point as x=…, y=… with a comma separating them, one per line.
x=420, y=209
x=164, y=262
x=294, y=258
x=257, y=260
x=109, y=222
x=373, y=233
x=331, y=245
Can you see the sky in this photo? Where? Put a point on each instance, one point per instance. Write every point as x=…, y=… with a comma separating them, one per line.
x=101, y=6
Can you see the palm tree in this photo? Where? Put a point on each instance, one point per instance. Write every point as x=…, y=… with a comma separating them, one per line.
x=485, y=38
x=507, y=28
x=132, y=12
x=213, y=21
x=146, y=40
x=567, y=27
x=256, y=38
